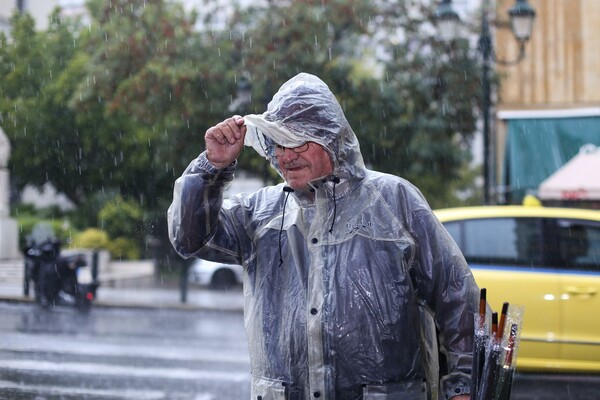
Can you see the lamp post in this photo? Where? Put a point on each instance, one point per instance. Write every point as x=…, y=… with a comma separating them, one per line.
x=521, y=23
x=243, y=96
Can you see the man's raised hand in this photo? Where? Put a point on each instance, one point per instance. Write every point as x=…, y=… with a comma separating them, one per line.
x=225, y=141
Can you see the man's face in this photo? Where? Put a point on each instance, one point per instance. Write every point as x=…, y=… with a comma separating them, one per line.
x=299, y=168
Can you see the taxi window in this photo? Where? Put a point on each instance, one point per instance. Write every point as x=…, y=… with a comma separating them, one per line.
x=574, y=244
x=499, y=241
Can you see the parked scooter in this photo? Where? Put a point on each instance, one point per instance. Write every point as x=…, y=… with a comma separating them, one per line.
x=55, y=277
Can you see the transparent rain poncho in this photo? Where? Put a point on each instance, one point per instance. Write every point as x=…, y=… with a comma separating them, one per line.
x=303, y=110
x=344, y=285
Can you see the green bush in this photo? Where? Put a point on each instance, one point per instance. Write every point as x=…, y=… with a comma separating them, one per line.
x=121, y=218
x=91, y=238
x=124, y=249
x=120, y=248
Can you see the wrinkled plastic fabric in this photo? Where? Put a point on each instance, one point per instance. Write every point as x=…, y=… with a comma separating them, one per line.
x=346, y=311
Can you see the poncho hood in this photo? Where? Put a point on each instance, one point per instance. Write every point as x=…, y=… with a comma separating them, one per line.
x=304, y=109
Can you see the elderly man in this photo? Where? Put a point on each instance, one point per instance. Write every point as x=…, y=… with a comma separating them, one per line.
x=347, y=270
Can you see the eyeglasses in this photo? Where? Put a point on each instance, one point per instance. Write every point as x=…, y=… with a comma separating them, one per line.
x=279, y=150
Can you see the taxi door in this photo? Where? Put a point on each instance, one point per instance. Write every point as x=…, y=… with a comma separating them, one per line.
x=578, y=244
x=507, y=258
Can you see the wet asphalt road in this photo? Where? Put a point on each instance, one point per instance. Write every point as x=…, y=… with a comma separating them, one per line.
x=113, y=353
x=153, y=354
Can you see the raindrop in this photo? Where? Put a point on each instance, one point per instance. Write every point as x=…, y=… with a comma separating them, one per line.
x=330, y=55
x=50, y=71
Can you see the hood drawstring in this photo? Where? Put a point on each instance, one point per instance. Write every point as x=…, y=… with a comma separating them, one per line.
x=288, y=190
x=335, y=181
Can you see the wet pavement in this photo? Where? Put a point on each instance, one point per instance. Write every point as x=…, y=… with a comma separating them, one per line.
x=127, y=322
x=121, y=353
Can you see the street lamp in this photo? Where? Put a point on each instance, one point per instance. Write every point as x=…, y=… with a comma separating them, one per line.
x=243, y=96
x=521, y=23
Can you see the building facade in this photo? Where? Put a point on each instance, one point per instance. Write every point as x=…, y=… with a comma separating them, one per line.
x=548, y=105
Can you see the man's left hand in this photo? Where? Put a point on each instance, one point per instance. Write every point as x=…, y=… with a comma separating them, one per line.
x=461, y=397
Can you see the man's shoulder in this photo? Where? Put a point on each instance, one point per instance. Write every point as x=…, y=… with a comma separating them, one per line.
x=385, y=179
x=396, y=188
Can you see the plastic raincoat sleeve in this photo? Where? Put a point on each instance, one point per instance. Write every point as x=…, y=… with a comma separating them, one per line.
x=446, y=285
x=195, y=215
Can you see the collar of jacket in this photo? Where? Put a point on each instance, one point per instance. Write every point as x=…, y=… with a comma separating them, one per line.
x=327, y=189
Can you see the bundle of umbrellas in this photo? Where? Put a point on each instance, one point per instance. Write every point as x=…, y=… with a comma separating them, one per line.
x=495, y=351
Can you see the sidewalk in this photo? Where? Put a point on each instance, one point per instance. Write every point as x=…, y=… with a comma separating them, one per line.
x=129, y=284
x=155, y=295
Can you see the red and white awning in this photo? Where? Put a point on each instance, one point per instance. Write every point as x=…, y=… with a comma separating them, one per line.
x=578, y=179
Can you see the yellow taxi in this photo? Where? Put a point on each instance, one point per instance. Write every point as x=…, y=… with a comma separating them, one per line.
x=548, y=261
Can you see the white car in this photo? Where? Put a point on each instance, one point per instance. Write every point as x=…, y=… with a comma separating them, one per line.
x=216, y=275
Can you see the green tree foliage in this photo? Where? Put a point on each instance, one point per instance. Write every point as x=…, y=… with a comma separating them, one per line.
x=120, y=106
x=409, y=100
x=33, y=110
x=152, y=86
x=430, y=117
x=145, y=74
